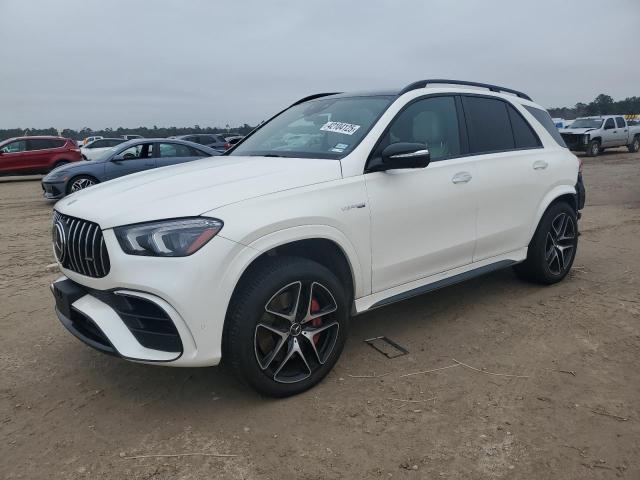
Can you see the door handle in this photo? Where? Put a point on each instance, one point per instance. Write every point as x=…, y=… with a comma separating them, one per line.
x=461, y=177
x=540, y=165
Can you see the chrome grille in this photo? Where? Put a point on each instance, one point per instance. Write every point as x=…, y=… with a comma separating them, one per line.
x=79, y=246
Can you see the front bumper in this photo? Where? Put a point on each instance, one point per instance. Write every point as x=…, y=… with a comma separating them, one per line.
x=118, y=323
x=576, y=142
x=192, y=291
x=53, y=190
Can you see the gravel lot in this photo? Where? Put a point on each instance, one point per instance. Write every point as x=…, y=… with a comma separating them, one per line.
x=67, y=411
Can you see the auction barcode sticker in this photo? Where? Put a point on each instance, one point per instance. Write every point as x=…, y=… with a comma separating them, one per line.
x=340, y=127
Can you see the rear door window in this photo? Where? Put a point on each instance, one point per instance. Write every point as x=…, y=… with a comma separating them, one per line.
x=620, y=122
x=98, y=144
x=178, y=150
x=488, y=125
x=40, y=144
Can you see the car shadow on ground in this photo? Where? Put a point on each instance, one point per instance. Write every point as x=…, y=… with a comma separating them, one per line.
x=154, y=387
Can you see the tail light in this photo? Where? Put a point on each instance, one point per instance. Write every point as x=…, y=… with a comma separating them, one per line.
x=580, y=163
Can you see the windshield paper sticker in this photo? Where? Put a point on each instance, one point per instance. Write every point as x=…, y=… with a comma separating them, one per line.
x=340, y=127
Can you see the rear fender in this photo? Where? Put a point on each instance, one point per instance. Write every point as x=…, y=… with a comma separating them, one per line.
x=548, y=199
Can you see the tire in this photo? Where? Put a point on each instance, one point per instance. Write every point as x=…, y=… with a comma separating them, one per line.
x=279, y=356
x=80, y=183
x=593, y=148
x=553, y=248
x=634, y=146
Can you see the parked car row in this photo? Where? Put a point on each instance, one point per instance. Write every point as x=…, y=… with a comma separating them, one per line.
x=126, y=158
x=218, y=142
x=41, y=154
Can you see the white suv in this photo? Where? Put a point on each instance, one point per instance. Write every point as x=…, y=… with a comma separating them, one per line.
x=339, y=204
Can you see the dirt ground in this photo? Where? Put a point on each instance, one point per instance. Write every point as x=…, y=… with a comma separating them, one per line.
x=69, y=412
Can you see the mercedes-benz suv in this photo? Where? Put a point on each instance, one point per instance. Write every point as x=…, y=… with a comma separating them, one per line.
x=341, y=203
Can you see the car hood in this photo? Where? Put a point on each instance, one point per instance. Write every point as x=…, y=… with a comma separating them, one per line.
x=576, y=131
x=192, y=188
x=68, y=169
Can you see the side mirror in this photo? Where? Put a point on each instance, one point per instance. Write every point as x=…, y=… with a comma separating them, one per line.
x=405, y=155
x=118, y=158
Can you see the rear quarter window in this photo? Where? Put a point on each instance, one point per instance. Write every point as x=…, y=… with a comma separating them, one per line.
x=523, y=134
x=544, y=119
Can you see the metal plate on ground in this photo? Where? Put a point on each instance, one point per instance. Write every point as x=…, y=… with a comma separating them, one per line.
x=387, y=347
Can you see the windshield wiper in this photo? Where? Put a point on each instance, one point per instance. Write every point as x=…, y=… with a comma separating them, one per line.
x=269, y=155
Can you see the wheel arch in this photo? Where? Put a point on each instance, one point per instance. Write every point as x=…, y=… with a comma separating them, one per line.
x=75, y=176
x=321, y=243
x=560, y=193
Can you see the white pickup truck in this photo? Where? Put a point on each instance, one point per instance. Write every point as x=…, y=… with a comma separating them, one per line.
x=594, y=134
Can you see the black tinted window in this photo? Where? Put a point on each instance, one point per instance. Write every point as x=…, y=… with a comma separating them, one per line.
x=113, y=143
x=179, y=150
x=609, y=124
x=98, y=144
x=432, y=121
x=620, y=122
x=488, y=125
x=543, y=117
x=523, y=134
x=41, y=144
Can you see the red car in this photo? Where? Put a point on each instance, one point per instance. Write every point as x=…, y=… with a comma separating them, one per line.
x=28, y=155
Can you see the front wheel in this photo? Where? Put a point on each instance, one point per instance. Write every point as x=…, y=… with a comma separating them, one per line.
x=593, y=148
x=553, y=247
x=635, y=145
x=286, y=326
x=80, y=183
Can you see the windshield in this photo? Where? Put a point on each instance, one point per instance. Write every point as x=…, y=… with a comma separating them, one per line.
x=324, y=128
x=586, y=123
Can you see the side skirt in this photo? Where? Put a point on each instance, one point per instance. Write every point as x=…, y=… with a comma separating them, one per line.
x=434, y=285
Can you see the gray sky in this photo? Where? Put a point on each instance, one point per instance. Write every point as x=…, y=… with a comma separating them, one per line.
x=99, y=63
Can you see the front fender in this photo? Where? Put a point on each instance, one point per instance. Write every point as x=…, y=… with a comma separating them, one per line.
x=554, y=193
x=362, y=283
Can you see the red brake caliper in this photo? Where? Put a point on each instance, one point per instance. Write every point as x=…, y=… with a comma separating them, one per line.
x=316, y=322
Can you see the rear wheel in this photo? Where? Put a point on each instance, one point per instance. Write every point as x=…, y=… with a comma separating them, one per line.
x=593, y=149
x=286, y=326
x=553, y=247
x=80, y=183
x=635, y=145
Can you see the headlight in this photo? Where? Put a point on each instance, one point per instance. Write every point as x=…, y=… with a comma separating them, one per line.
x=178, y=237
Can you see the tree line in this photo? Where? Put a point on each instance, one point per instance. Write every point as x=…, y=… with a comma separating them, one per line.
x=602, y=105
x=154, y=132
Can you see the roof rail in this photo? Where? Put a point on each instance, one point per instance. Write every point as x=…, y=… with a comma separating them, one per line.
x=493, y=88
x=313, y=97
